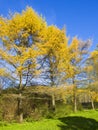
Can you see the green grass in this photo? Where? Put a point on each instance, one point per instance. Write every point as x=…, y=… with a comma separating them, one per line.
x=84, y=120
x=93, y=114
x=46, y=124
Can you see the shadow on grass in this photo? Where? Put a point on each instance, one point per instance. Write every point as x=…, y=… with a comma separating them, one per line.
x=78, y=123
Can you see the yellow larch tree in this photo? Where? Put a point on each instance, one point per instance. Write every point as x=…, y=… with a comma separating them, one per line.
x=78, y=50
x=53, y=50
x=92, y=74
x=18, y=36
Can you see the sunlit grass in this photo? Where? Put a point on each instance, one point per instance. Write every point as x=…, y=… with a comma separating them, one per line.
x=47, y=124
x=93, y=114
x=83, y=120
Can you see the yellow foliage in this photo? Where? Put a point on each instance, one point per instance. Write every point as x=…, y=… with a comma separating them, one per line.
x=89, y=68
x=26, y=37
x=94, y=54
x=22, y=26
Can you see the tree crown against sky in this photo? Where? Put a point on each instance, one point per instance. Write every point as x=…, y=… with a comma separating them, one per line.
x=25, y=36
x=77, y=16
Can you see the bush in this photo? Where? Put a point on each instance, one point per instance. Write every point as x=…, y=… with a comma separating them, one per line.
x=3, y=123
x=62, y=110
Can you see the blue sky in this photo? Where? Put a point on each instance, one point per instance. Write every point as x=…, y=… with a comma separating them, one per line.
x=80, y=17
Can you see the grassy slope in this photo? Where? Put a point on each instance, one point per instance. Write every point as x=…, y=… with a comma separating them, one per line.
x=47, y=124
x=85, y=120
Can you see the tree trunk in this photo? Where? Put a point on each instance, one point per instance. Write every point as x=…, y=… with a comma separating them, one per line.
x=75, y=96
x=92, y=103
x=53, y=103
x=21, y=118
x=20, y=109
x=75, y=103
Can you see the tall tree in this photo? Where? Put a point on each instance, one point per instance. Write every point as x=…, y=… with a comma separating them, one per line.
x=51, y=62
x=78, y=52
x=18, y=36
x=92, y=75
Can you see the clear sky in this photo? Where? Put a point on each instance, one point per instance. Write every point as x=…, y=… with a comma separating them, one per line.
x=80, y=17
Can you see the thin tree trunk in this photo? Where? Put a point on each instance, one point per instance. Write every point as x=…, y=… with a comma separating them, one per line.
x=92, y=103
x=75, y=96
x=53, y=103
x=20, y=107
x=75, y=103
